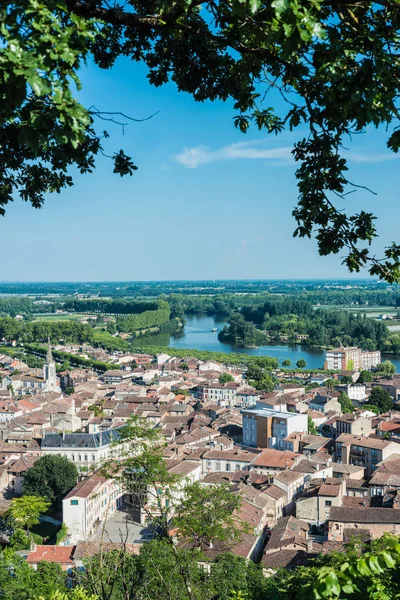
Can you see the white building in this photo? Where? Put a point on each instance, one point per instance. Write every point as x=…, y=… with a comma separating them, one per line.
x=266, y=428
x=87, y=450
x=91, y=502
x=354, y=391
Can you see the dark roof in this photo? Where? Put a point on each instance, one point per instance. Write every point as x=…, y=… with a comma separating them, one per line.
x=286, y=559
x=346, y=514
x=80, y=440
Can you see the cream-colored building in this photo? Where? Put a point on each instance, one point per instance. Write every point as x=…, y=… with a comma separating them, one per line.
x=314, y=506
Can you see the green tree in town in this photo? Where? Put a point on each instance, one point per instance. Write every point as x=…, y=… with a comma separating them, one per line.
x=312, y=428
x=387, y=368
x=25, y=511
x=111, y=327
x=345, y=403
x=365, y=377
x=331, y=384
x=266, y=383
x=225, y=378
x=381, y=399
x=301, y=363
x=52, y=477
x=18, y=580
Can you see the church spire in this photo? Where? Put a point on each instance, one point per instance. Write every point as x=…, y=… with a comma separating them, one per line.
x=49, y=356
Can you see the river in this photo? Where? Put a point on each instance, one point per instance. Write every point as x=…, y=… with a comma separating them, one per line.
x=198, y=335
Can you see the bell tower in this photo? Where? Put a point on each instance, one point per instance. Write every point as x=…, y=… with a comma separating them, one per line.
x=49, y=371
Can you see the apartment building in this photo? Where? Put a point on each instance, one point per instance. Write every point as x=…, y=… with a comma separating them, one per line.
x=266, y=428
x=351, y=359
x=363, y=451
x=91, y=502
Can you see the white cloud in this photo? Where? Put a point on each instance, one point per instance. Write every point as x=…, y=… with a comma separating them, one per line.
x=194, y=157
x=191, y=158
x=371, y=158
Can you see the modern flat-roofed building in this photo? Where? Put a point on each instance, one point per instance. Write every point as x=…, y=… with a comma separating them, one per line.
x=266, y=428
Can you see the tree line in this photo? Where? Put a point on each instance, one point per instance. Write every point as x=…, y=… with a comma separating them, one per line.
x=108, y=306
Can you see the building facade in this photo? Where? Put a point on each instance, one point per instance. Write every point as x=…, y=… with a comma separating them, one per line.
x=267, y=428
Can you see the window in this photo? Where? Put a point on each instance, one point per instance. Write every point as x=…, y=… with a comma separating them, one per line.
x=227, y=467
x=93, y=458
x=86, y=457
x=74, y=502
x=328, y=502
x=237, y=467
x=79, y=457
x=217, y=466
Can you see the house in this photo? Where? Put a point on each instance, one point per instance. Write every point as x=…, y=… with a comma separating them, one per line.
x=16, y=470
x=307, y=443
x=91, y=502
x=348, y=472
x=272, y=461
x=313, y=506
x=318, y=466
x=267, y=428
x=317, y=417
x=325, y=404
x=292, y=484
x=116, y=376
x=276, y=502
x=386, y=477
x=291, y=388
x=354, y=424
x=390, y=384
x=346, y=522
x=228, y=460
x=363, y=451
x=355, y=391
x=62, y=555
x=289, y=533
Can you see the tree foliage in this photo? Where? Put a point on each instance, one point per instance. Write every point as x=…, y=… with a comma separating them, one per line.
x=225, y=378
x=381, y=399
x=346, y=403
x=334, y=64
x=25, y=511
x=52, y=477
x=241, y=332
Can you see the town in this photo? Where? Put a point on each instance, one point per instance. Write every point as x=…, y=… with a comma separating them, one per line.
x=314, y=462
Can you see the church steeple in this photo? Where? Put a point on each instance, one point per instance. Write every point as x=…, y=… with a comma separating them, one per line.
x=49, y=356
x=49, y=371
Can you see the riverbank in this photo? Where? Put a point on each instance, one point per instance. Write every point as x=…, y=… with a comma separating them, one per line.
x=199, y=334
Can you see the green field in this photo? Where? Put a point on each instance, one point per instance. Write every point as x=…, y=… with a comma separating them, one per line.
x=57, y=317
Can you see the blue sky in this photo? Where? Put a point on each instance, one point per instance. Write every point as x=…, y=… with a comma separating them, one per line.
x=207, y=202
